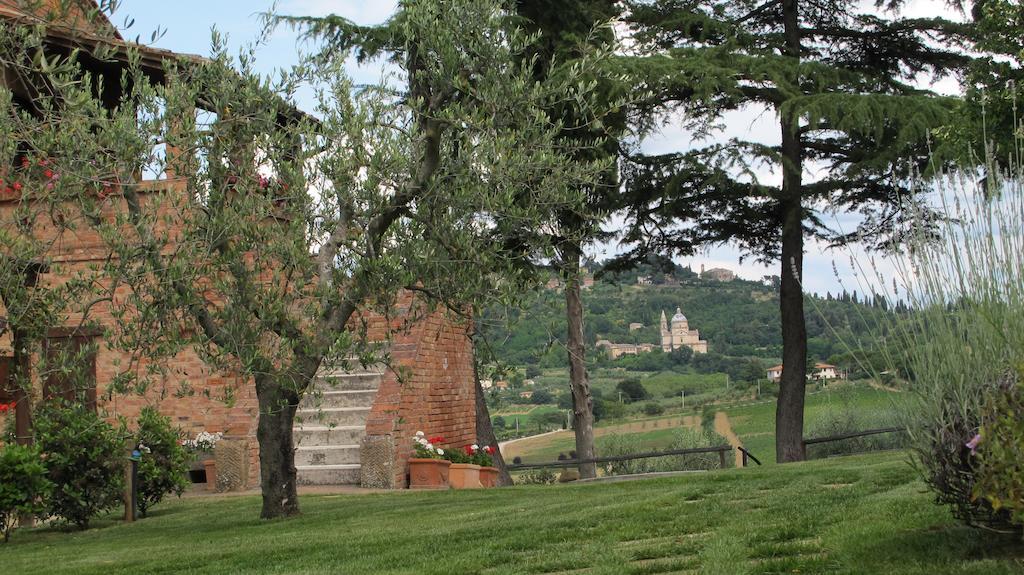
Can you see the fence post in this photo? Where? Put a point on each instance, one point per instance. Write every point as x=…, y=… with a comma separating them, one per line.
x=131, y=486
x=744, y=455
x=721, y=458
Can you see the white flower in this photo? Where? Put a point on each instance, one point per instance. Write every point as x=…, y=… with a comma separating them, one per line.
x=474, y=447
x=440, y=452
x=429, y=445
x=419, y=434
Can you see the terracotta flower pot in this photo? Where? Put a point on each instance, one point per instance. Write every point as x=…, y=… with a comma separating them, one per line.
x=464, y=476
x=428, y=473
x=211, y=474
x=489, y=476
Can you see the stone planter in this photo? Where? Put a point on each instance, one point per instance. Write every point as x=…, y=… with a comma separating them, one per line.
x=489, y=476
x=428, y=473
x=464, y=476
x=211, y=474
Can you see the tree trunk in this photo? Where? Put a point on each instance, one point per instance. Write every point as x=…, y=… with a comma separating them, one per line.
x=583, y=403
x=789, y=411
x=21, y=376
x=277, y=450
x=485, y=431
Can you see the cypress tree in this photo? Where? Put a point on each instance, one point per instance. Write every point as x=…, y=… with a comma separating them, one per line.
x=567, y=28
x=840, y=82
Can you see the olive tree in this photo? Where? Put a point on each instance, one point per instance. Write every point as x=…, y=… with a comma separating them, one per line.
x=277, y=231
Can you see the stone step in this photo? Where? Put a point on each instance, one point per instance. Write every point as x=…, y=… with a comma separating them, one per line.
x=327, y=455
x=332, y=399
x=334, y=416
x=340, y=474
x=310, y=435
x=342, y=381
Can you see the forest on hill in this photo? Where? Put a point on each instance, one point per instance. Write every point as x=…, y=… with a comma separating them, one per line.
x=738, y=318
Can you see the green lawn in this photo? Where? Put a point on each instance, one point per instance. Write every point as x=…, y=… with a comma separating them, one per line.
x=856, y=515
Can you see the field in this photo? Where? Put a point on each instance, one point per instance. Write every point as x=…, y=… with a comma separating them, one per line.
x=753, y=423
x=856, y=515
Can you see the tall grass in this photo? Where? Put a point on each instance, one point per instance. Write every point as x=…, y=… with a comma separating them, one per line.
x=963, y=339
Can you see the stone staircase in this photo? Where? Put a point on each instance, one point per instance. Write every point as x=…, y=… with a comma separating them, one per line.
x=330, y=425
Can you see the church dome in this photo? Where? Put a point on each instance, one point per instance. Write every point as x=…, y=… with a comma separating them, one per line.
x=679, y=316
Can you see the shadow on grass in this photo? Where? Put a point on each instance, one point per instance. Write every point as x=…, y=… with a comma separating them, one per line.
x=945, y=543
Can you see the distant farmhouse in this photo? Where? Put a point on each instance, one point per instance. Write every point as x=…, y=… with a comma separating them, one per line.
x=555, y=283
x=675, y=336
x=820, y=372
x=617, y=350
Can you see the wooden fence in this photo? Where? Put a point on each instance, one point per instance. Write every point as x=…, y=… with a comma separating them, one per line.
x=842, y=436
x=719, y=449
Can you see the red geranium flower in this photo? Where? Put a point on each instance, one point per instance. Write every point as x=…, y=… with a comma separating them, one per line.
x=468, y=449
x=489, y=449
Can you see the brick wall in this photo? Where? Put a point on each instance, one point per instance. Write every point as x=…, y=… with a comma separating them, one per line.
x=437, y=393
x=437, y=397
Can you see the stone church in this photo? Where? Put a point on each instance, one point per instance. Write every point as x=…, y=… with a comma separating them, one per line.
x=679, y=335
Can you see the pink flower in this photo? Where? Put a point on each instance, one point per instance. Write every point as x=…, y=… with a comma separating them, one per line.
x=973, y=443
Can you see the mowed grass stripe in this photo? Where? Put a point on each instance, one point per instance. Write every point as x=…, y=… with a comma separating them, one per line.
x=882, y=522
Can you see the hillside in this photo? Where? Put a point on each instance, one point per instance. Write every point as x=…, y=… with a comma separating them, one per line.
x=738, y=318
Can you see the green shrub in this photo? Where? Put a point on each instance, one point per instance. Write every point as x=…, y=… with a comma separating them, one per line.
x=23, y=485
x=537, y=477
x=632, y=390
x=1000, y=476
x=164, y=463
x=846, y=420
x=86, y=460
x=961, y=334
x=615, y=445
x=653, y=408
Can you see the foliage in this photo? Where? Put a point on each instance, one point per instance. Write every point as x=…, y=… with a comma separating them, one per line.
x=838, y=81
x=482, y=456
x=685, y=438
x=428, y=448
x=632, y=390
x=736, y=318
x=537, y=477
x=85, y=461
x=24, y=488
x=849, y=419
x=203, y=441
x=653, y=408
x=277, y=228
x=963, y=346
x=164, y=463
x=541, y=396
x=1000, y=475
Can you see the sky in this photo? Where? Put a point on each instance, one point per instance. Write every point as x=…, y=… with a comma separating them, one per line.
x=186, y=27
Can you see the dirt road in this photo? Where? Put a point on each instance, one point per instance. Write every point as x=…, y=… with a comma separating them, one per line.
x=724, y=428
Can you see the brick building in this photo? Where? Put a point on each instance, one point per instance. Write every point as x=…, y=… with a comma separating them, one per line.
x=359, y=426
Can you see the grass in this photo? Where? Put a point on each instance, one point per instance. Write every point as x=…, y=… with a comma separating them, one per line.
x=656, y=434
x=863, y=514
x=753, y=423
